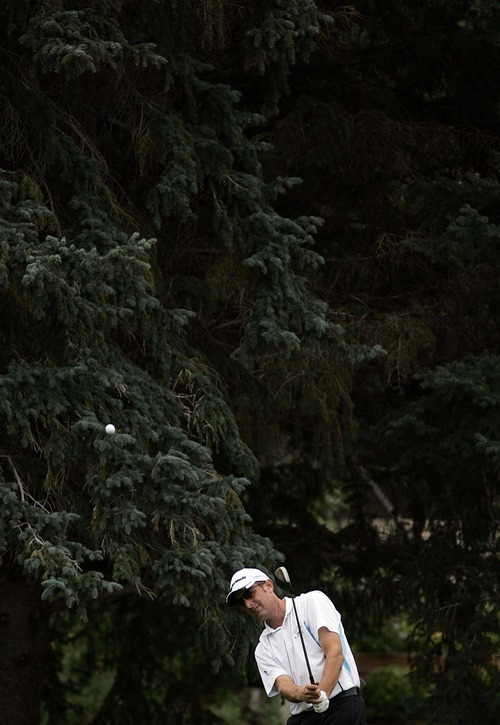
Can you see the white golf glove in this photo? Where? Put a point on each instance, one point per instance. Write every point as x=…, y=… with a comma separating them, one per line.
x=323, y=705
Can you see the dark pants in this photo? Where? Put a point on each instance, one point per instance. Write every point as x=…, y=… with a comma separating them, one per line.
x=342, y=711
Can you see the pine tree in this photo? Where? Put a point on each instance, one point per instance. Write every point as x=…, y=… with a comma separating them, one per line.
x=394, y=129
x=135, y=215
x=447, y=470
x=86, y=515
x=158, y=270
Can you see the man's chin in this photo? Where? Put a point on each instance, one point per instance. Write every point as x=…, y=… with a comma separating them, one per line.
x=257, y=613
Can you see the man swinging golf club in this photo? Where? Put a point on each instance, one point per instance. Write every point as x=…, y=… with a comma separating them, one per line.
x=302, y=653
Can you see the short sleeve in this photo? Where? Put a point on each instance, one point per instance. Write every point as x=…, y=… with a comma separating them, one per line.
x=269, y=669
x=321, y=612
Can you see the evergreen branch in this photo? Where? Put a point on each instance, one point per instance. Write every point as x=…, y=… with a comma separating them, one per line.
x=17, y=476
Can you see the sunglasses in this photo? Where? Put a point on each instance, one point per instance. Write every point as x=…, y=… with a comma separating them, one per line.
x=248, y=593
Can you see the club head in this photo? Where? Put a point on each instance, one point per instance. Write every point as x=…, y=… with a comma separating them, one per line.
x=282, y=575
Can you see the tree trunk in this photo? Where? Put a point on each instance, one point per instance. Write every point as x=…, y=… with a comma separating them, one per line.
x=24, y=643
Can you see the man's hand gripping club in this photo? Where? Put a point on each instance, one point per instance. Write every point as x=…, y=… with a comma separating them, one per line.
x=316, y=697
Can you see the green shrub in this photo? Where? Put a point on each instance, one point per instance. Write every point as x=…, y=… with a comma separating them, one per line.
x=390, y=697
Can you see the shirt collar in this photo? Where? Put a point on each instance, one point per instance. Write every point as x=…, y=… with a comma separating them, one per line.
x=269, y=630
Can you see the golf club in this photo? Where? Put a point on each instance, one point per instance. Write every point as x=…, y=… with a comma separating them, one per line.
x=283, y=576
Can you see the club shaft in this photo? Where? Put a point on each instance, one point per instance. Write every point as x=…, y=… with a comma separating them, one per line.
x=282, y=575
x=311, y=678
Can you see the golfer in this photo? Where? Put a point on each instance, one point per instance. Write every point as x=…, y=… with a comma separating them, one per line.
x=334, y=697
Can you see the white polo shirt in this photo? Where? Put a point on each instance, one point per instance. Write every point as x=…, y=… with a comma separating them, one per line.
x=279, y=651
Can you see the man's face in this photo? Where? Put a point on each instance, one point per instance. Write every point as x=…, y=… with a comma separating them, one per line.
x=259, y=601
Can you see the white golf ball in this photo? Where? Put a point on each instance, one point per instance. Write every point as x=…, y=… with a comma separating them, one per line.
x=110, y=429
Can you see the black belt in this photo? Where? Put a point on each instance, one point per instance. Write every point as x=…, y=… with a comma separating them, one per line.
x=351, y=692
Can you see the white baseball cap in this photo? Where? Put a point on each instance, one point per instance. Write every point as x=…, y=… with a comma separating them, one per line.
x=244, y=579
